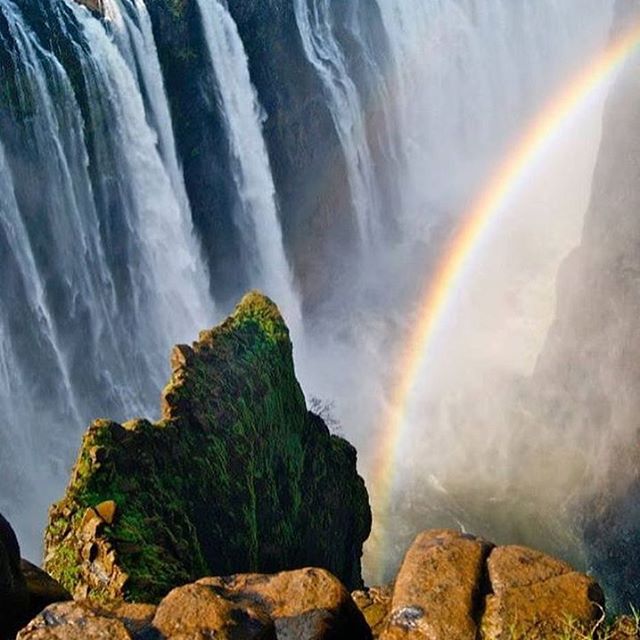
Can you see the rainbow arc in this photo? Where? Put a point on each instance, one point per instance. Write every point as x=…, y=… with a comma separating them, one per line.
x=531, y=148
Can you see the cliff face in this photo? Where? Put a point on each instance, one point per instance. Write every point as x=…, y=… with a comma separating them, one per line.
x=307, y=162
x=588, y=374
x=237, y=476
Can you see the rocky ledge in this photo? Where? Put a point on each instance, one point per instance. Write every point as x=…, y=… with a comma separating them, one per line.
x=454, y=585
x=307, y=604
x=451, y=586
x=95, y=6
x=237, y=476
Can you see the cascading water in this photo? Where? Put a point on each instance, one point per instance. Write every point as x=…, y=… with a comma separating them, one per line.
x=105, y=269
x=258, y=220
x=101, y=269
x=462, y=79
x=315, y=24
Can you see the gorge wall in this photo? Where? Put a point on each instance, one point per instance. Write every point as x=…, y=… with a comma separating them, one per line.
x=588, y=373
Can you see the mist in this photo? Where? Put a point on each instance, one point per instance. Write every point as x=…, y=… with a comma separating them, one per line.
x=333, y=183
x=475, y=452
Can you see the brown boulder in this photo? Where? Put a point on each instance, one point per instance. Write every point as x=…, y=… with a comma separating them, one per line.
x=74, y=621
x=107, y=511
x=375, y=603
x=306, y=604
x=437, y=594
x=95, y=6
x=198, y=611
x=535, y=596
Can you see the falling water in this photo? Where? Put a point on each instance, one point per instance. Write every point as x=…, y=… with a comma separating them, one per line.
x=105, y=268
x=101, y=269
x=258, y=220
x=317, y=30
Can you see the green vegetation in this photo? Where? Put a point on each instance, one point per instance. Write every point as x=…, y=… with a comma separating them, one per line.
x=625, y=628
x=238, y=476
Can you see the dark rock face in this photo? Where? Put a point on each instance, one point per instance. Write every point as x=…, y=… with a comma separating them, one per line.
x=24, y=588
x=237, y=476
x=307, y=162
x=588, y=373
x=453, y=585
x=14, y=598
x=202, y=141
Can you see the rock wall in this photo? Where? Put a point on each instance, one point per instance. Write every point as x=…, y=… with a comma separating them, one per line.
x=588, y=374
x=237, y=476
x=308, y=165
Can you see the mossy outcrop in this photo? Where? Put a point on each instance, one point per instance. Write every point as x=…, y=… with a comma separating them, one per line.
x=237, y=476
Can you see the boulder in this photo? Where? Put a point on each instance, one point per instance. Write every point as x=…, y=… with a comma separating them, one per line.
x=237, y=476
x=199, y=611
x=95, y=6
x=43, y=590
x=438, y=589
x=453, y=585
x=14, y=597
x=535, y=596
x=374, y=602
x=308, y=604
x=75, y=621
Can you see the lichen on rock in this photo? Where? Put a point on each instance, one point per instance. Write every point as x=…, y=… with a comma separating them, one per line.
x=237, y=476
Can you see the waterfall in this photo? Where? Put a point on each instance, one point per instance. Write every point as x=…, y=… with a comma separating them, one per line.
x=258, y=218
x=104, y=270
x=464, y=77
x=315, y=24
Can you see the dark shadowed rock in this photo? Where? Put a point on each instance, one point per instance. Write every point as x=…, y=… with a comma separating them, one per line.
x=14, y=597
x=42, y=588
x=438, y=589
x=308, y=604
x=588, y=372
x=238, y=476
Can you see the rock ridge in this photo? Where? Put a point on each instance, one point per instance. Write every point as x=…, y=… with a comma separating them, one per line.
x=237, y=476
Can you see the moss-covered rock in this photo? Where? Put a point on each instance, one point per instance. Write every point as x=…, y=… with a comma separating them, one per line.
x=237, y=476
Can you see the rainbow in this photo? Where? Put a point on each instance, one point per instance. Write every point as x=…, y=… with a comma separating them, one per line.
x=544, y=130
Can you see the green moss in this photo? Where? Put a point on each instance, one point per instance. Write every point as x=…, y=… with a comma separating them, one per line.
x=64, y=565
x=237, y=477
